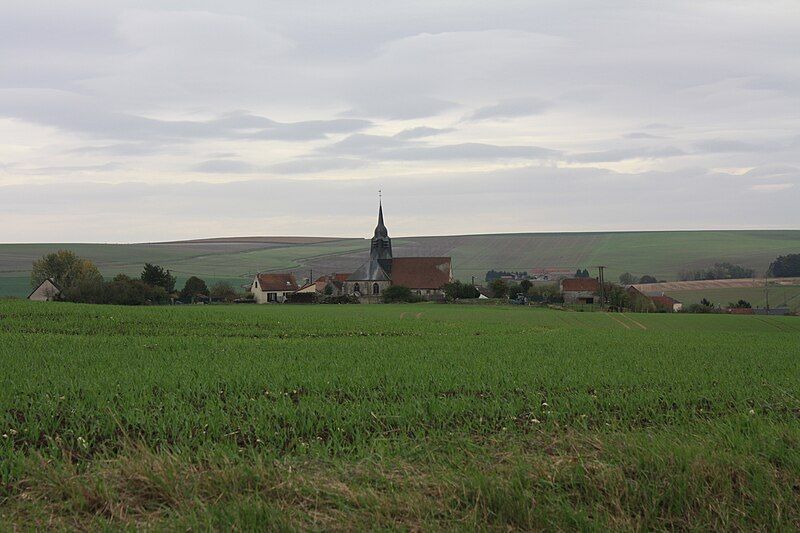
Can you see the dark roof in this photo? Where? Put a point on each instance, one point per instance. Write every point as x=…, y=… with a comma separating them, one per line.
x=421, y=272
x=277, y=282
x=373, y=270
x=580, y=285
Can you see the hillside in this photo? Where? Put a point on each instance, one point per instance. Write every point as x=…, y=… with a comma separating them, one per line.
x=662, y=254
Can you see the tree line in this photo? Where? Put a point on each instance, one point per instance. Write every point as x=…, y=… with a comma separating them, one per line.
x=81, y=281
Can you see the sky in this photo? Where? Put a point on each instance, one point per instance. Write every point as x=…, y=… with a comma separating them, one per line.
x=158, y=120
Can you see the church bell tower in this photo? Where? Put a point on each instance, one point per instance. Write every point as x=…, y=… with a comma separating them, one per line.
x=381, y=245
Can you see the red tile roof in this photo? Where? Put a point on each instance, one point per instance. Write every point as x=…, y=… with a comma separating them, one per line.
x=580, y=285
x=664, y=300
x=277, y=282
x=421, y=272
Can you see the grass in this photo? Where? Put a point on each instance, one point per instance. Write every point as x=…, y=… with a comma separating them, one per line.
x=397, y=416
x=662, y=254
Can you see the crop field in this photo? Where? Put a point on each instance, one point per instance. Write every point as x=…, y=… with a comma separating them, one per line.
x=779, y=296
x=396, y=416
x=662, y=254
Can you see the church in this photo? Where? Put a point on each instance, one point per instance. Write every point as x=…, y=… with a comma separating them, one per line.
x=425, y=276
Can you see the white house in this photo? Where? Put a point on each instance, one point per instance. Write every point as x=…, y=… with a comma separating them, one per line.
x=47, y=291
x=273, y=288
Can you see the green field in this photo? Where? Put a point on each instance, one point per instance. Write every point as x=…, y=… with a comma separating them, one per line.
x=779, y=296
x=396, y=416
x=662, y=254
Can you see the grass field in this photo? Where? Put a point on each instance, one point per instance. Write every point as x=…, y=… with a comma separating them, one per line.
x=396, y=416
x=662, y=254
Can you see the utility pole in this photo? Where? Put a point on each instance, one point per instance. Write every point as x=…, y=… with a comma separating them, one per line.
x=602, y=286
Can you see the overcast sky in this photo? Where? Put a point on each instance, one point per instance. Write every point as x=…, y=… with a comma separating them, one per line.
x=157, y=120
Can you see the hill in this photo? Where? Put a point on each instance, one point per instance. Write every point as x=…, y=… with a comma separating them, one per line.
x=235, y=259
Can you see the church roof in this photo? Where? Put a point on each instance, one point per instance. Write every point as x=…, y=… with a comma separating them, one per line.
x=421, y=272
x=373, y=270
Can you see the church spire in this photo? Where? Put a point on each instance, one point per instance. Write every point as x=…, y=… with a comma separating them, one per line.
x=381, y=245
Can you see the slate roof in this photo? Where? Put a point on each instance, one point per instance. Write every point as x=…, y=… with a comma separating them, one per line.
x=421, y=272
x=277, y=282
x=580, y=285
x=373, y=270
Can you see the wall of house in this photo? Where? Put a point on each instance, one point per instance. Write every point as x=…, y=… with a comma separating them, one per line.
x=365, y=287
x=44, y=293
x=573, y=297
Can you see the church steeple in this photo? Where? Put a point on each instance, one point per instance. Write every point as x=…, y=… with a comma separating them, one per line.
x=381, y=245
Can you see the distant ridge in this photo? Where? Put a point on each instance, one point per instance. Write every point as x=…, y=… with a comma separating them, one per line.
x=256, y=240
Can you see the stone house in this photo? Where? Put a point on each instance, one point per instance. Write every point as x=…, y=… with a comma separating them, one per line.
x=580, y=290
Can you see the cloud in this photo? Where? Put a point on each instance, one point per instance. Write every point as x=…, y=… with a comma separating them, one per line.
x=640, y=135
x=401, y=107
x=521, y=107
x=772, y=187
x=623, y=154
x=224, y=166
x=420, y=132
x=383, y=148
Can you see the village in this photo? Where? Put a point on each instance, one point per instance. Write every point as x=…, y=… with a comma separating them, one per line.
x=385, y=278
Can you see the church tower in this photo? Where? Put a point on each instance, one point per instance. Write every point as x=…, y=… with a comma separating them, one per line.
x=381, y=245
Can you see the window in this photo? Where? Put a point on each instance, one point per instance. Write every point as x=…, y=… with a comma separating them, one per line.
x=376, y=288
x=272, y=297
x=356, y=288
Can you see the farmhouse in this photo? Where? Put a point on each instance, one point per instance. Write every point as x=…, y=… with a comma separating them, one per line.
x=423, y=275
x=273, y=288
x=47, y=291
x=579, y=290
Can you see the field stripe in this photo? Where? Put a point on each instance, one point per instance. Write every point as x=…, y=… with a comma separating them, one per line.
x=618, y=321
x=635, y=321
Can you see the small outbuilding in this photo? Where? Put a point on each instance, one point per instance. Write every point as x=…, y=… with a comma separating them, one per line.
x=580, y=290
x=47, y=291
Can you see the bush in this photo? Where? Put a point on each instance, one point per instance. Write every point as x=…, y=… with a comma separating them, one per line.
x=499, y=288
x=648, y=279
x=193, y=288
x=343, y=299
x=459, y=291
x=302, y=298
x=400, y=294
x=122, y=290
x=223, y=292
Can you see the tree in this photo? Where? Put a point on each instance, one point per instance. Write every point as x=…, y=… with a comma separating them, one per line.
x=514, y=290
x=328, y=290
x=616, y=296
x=785, y=266
x=525, y=285
x=457, y=290
x=223, y=291
x=398, y=294
x=193, y=288
x=156, y=276
x=66, y=268
x=741, y=304
x=628, y=279
x=499, y=288
x=648, y=279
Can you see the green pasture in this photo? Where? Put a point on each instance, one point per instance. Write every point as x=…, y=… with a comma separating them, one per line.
x=396, y=417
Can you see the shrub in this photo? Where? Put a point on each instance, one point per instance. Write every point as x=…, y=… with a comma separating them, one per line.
x=458, y=291
x=223, y=291
x=400, y=294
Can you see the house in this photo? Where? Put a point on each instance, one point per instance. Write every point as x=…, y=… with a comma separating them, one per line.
x=580, y=290
x=335, y=281
x=47, y=291
x=668, y=303
x=273, y=288
x=423, y=275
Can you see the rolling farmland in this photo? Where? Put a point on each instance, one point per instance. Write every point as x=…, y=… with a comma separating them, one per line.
x=662, y=254
x=396, y=416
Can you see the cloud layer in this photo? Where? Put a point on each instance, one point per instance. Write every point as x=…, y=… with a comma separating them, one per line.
x=272, y=117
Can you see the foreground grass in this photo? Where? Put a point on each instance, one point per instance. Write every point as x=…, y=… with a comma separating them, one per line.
x=412, y=417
